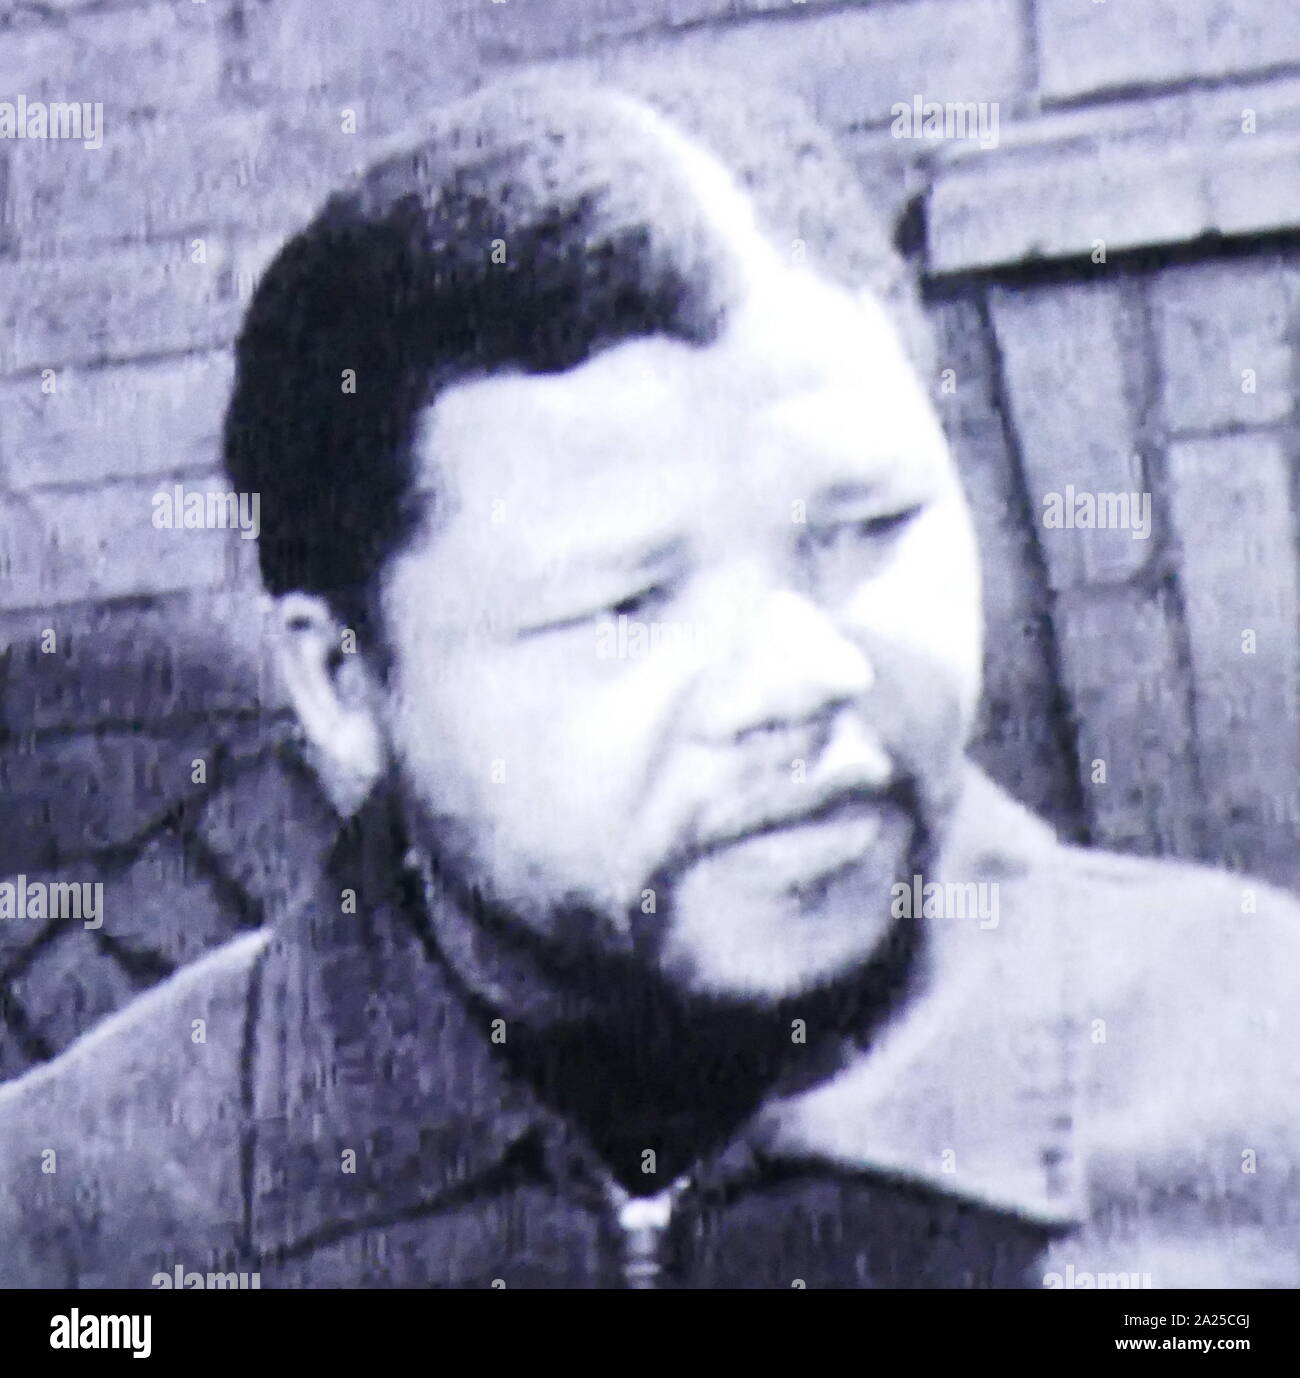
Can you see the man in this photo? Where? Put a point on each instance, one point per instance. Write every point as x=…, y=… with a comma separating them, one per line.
x=629, y=606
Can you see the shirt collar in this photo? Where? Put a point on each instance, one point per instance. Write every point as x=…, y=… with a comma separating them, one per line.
x=971, y=1091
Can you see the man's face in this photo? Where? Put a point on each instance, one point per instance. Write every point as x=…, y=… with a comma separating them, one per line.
x=693, y=641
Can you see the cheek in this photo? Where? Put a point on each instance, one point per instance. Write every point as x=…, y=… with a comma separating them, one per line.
x=926, y=608
x=549, y=747
x=472, y=729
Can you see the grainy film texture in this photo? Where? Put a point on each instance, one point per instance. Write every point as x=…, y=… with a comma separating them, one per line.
x=649, y=643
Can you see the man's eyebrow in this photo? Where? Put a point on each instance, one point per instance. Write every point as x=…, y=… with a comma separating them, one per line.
x=632, y=558
x=892, y=489
x=850, y=490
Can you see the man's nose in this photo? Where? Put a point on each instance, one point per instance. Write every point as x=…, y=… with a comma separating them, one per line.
x=789, y=663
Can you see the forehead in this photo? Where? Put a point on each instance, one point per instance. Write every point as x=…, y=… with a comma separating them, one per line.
x=807, y=383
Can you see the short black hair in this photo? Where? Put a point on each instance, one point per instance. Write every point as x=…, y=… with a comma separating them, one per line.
x=529, y=227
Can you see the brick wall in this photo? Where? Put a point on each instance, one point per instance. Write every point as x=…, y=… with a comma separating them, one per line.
x=1115, y=287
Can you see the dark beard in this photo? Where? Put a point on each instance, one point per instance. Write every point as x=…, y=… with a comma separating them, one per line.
x=635, y=1061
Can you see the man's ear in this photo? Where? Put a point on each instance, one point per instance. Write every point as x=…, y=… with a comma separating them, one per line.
x=335, y=696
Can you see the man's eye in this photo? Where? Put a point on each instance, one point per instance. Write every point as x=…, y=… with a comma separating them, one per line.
x=887, y=525
x=639, y=602
x=872, y=529
x=631, y=606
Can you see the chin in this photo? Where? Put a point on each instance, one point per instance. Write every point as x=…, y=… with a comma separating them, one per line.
x=783, y=954
x=728, y=934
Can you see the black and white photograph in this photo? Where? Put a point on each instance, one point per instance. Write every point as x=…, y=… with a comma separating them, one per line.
x=649, y=645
